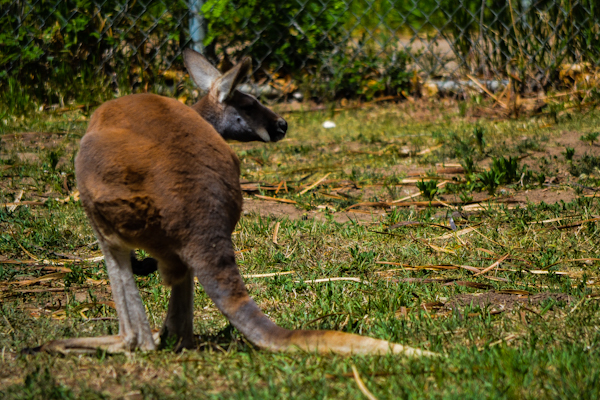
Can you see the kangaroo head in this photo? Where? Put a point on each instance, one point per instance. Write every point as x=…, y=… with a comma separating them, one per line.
x=235, y=115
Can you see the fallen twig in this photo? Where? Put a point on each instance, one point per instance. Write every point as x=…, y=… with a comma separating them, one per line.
x=482, y=87
x=275, y=231
x=361, y=385
x=16, y=202
x=315, y=184
x=494, y=265
x=269, y=274
x=458, y=233
x=275, y=199
x=352, y=279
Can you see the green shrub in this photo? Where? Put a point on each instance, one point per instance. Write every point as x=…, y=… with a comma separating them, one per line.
x=468, y=165
x=507, y=168
x=490, y=180
x=569, y=153
x=302, y=39
x=586, y=165
x=428, y=189
x=532, y=37
x=70, y=49
x=364, y=71
x=590, y=137
x=280, y=35
x=479, y=139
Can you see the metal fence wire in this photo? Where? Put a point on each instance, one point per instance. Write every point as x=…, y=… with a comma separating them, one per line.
x=327, y=49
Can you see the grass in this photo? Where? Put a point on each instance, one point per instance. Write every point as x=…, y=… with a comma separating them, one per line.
x=546, y=347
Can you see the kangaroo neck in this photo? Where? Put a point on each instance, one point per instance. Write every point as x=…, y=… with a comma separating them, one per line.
x=205, y=107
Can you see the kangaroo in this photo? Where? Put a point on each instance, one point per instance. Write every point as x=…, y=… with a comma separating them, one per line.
x=157, y=175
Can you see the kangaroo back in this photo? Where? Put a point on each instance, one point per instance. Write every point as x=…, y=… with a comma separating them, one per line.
x=157, y=175
x=152, y=174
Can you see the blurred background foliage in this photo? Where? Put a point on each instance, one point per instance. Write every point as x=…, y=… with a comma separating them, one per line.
x=85, y=51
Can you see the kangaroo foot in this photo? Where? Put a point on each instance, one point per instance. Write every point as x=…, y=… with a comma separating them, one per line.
x=90, y=345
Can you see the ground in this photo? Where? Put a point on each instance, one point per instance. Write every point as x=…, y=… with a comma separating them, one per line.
x=499, y=276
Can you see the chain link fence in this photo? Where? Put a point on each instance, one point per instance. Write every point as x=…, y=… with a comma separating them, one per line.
x=324, y=49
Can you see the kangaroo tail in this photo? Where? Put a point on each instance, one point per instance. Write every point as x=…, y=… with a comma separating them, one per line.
x=261, y=331
x=225, y=287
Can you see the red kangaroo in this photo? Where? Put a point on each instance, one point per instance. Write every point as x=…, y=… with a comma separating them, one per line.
x=157, y=175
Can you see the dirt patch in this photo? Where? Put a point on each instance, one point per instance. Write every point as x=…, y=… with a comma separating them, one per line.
x=554, y=151
x=37, y=141
x=28, y=158
x=29, y=147
x=282, y=210
x=572, y=139
x=503, y=301
x=271, y=208
x=547, y=196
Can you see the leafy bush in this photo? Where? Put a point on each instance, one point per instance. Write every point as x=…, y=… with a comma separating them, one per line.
x=84, y=50
x=395, y=13
x=280, y=35
x=468, y=165
x=513, y=32
x=503, y=171
x=362, y=71
x=302, y=39
x=58, y=50
x=479, y=139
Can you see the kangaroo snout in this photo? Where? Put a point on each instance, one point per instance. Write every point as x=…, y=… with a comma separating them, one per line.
x=282, y=127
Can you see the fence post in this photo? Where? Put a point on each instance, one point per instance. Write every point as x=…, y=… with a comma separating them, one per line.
x=197, y=25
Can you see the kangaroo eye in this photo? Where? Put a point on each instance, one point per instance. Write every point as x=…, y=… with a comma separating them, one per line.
x=239, y=119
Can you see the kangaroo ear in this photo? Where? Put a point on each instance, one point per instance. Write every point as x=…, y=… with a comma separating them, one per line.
x=201, y=71
x=228, y=82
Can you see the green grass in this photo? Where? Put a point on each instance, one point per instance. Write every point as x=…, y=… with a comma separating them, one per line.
x=544, y=350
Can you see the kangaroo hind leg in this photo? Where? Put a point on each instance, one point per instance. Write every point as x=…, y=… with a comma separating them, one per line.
x=134, y=329
x=178, y=325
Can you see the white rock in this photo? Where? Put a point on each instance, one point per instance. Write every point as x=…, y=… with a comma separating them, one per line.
x=328, y=124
